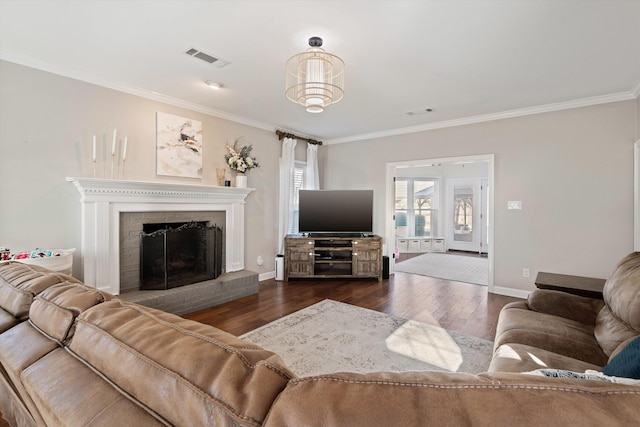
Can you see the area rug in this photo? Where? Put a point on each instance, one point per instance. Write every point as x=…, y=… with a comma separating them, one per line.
x=459, y=268
x=332, y=336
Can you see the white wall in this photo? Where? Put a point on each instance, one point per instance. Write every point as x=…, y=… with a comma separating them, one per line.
x=572, y=170
x=46, y=125
x=559, y=163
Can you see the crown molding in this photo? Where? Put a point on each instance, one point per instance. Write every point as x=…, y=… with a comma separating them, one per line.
x=558, y=106
x=89, y=78
x=29, y=61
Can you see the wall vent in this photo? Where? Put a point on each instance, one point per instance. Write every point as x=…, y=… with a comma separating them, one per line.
x=209, y=59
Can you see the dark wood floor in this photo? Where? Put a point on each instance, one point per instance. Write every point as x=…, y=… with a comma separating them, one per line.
x=462, y=307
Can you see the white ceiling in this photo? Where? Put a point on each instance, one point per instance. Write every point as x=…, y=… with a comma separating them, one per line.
x=467, y=60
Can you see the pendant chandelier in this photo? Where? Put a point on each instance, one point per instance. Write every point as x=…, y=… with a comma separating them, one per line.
x=315, y=78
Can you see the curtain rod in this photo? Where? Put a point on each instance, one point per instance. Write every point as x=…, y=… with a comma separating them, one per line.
x=282, y=135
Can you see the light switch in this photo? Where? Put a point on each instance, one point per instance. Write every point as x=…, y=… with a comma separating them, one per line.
x=514, y=204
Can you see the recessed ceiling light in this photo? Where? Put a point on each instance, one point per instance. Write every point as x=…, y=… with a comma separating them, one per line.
x=213, y=85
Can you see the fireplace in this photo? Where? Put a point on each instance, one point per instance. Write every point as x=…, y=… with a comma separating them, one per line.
x=132, y=227
x=179, y=254
x=104, y=201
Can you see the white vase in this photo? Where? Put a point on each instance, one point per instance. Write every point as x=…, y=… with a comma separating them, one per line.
x=241, y=180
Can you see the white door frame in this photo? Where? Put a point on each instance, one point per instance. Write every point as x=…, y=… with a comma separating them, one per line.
x=389, y=234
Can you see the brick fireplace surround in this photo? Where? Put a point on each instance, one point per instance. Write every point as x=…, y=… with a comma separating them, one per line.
x=105, y=201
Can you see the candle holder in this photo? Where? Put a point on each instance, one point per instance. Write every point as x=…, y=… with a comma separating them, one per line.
x=220, y=172
x=113, y=151
x=94, y=156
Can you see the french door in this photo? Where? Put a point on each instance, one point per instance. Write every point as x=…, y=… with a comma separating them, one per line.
x=464, y=222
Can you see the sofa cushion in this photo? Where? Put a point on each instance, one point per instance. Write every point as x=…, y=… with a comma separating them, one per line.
x=435, y=399
x=552, y=333
x=7, y=321
x=525, y=358
x=13, y=409
x=627, y=362
x=218, y=378
x=19, y=283
x=610, y=332
x=20, y=347
x=68, y=393
x=54, y=311
x=622, y=291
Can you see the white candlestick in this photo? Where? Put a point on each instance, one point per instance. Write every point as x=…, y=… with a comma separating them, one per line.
x=113, y=147
x=94, y=148
x=124, y=149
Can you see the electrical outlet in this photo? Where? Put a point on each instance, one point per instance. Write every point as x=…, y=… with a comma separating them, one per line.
x=526, y=272
x=260, y=261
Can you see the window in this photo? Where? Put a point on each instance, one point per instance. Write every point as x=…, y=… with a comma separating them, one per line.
x=298, y=183
x=416, y=206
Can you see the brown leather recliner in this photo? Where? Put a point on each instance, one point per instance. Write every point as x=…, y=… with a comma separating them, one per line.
x=553, y=329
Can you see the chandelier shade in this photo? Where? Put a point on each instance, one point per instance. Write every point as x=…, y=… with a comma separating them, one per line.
x=315, y=78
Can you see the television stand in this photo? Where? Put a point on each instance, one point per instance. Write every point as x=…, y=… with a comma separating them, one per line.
x=332, y=256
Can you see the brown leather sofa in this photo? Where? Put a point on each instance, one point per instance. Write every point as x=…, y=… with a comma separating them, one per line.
x=557, y=330
x=86, y=358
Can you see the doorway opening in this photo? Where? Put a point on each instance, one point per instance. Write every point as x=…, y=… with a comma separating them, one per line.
x=453, y=211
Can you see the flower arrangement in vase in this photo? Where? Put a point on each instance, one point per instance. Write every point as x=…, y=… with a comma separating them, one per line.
x=240, y=161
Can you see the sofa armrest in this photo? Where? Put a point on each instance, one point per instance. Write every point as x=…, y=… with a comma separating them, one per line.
x=516, y=304
x=562, y=304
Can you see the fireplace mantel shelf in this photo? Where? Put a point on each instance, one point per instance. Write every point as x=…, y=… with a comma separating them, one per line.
x=103, y=200
x=96, y=189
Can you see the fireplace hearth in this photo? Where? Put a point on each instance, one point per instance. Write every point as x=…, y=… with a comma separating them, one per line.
x=179, y=254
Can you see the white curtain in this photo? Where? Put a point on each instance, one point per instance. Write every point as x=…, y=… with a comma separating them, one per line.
x=285, y=211
x=312, y=179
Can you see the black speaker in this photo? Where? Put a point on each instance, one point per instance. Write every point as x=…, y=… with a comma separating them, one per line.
x=385, y=267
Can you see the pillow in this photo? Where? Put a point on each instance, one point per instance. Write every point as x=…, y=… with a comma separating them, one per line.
x=626, y=363
x=562, y=373
x=589, y=374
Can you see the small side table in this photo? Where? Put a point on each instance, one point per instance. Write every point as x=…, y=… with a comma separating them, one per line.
x=583, y=286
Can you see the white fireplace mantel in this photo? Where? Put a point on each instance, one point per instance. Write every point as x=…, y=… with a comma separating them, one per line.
x=104, y=199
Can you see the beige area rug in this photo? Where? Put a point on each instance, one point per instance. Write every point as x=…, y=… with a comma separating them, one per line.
x=331, y=336
x=459, y=268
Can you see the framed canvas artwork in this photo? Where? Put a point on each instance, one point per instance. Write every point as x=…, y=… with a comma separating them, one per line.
x=178, y=146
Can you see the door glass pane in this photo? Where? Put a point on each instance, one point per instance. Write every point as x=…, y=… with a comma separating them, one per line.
x=422, y=204
x=401, y=204
x=462, y=214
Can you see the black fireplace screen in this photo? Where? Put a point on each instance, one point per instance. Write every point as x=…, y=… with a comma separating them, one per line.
x=178, y=254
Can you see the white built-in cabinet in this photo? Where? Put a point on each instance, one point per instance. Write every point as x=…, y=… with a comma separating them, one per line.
x=420, y=244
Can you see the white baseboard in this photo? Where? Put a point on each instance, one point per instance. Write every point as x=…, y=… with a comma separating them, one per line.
x=267, y=275
x=510, y=292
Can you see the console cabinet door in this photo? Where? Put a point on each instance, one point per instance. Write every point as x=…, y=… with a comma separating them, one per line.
x=366, y=258
x=299, y=258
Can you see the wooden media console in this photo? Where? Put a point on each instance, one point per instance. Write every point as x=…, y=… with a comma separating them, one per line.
x=332, y=257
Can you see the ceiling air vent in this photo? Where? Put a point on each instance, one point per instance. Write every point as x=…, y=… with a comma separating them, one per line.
x=418, y=112
x=209, y=59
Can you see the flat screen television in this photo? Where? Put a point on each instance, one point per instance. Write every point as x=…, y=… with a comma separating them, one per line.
x=335, y=211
